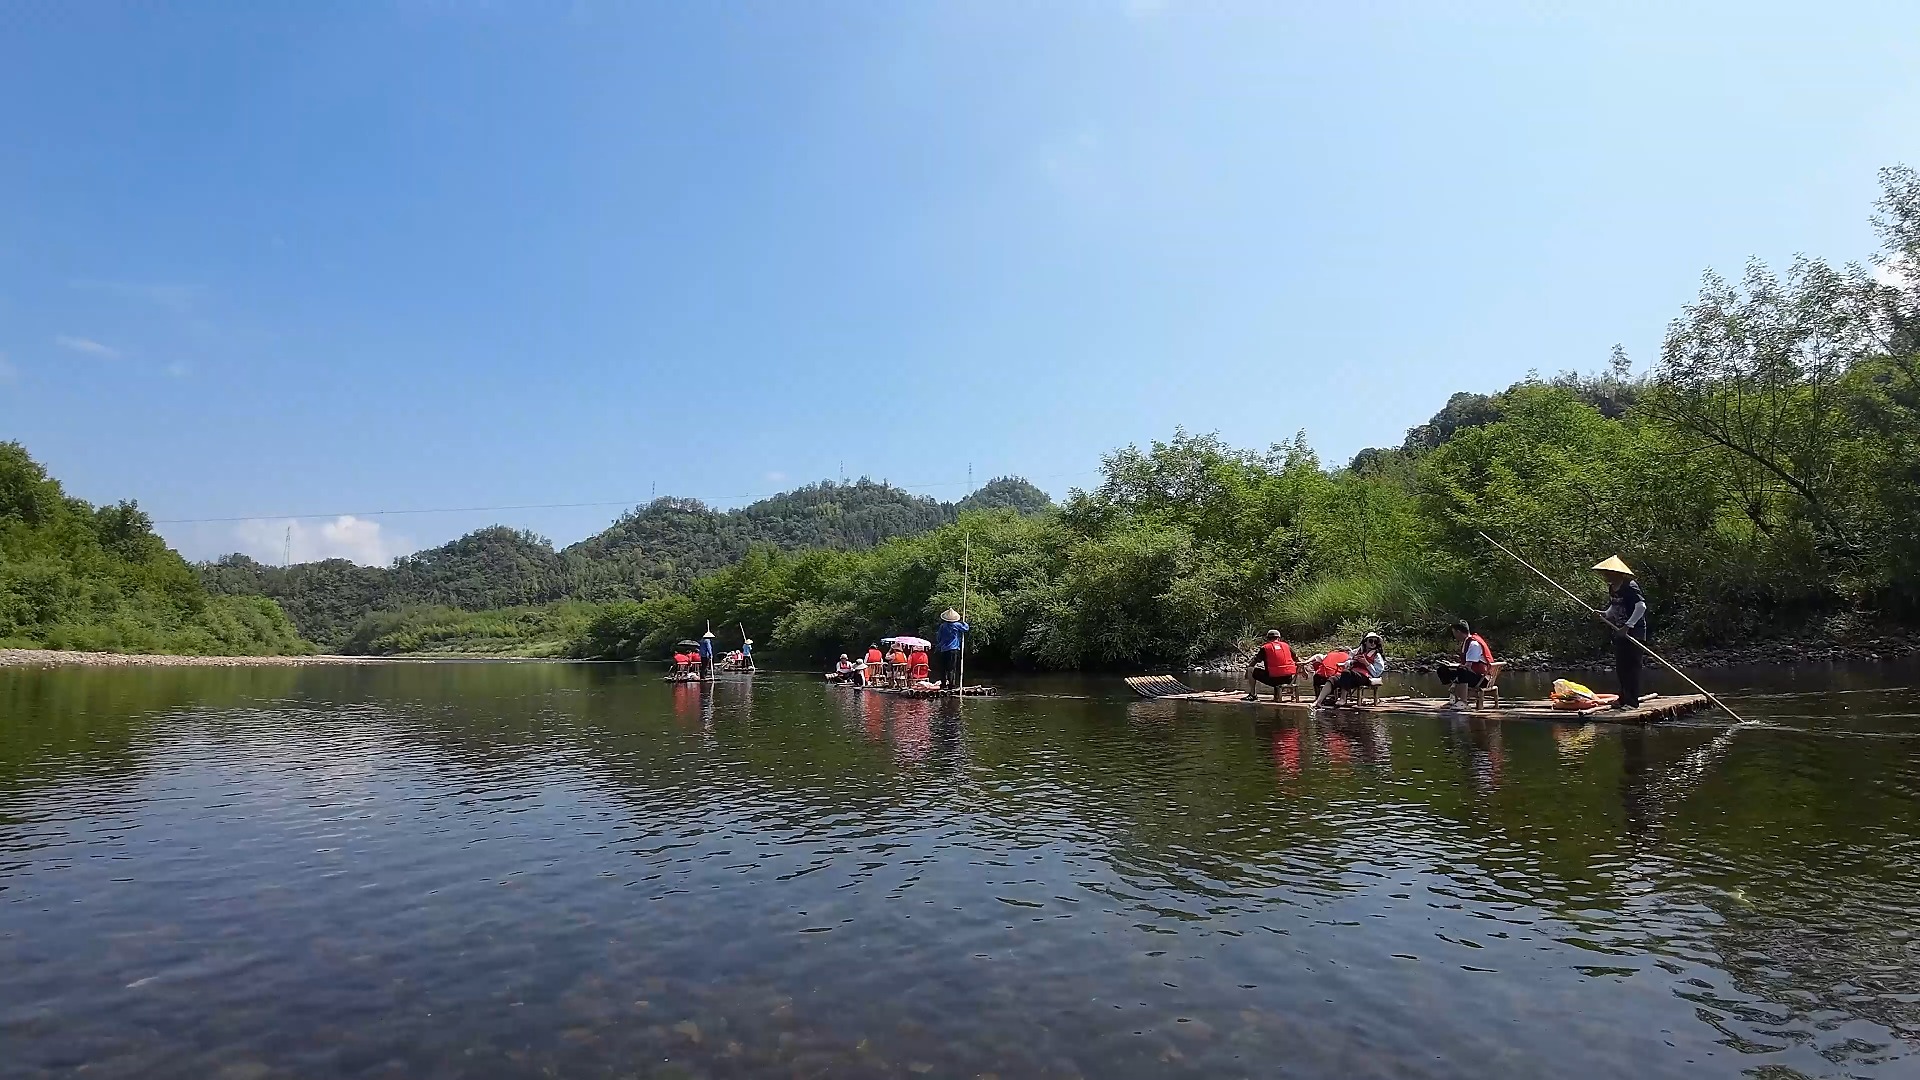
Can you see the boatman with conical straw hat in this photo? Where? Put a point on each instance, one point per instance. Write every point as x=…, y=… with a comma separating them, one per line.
x=950, y=639
x=1626, y=612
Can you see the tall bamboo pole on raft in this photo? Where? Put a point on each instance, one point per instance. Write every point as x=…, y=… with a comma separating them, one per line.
x=966, y=570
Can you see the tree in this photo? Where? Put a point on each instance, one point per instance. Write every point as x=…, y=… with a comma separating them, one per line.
x=1749, y=377
x=76, y=577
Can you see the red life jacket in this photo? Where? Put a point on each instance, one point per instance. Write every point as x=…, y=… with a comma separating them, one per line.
x=917, y=665
x=1279, y=658
x=680, y=658
x=1478, y=667
x=874, y=658
x=1331, y=664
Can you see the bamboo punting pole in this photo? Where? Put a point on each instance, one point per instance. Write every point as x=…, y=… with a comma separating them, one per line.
x=1644, y=647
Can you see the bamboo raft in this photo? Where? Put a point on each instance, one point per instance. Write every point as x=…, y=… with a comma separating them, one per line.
x=1653, y=708
x=915, y=692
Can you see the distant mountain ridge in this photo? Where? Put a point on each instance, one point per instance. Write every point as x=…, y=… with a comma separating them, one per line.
x=647, y=551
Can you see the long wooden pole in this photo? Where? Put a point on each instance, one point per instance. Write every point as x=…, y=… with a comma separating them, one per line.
x=1644, y=647
x=966, y=572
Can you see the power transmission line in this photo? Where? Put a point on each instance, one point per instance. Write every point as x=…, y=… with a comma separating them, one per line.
x=968, y=483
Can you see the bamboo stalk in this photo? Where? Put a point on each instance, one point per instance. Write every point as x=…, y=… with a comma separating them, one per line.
x=966, y=572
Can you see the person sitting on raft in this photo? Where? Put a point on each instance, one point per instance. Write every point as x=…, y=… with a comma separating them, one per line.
x=843, y=670
x=680, y=662
x=1273, y=666
x=1364, y=666
x=876, y=666
x=1475, y=669
x=896, y=666
x=1325, y=667
x=918, y=669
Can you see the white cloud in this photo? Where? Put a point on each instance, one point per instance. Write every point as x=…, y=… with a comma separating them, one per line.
x=776, y=478
x=1894, y=277
x=344, y=537
x=179, y=370
x=88, y=346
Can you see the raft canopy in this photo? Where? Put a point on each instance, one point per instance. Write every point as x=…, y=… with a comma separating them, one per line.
x=908, y=641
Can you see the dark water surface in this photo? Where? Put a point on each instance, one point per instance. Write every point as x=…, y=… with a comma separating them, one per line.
x=507, y=870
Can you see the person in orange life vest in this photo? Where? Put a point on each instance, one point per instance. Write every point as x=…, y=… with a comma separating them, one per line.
x=918, y=669
x=679, y=662
x=1365, y=666
x=876, y=665
x=1325, y=667
x=896, y=665
x=1475, y=668
x=1274, y=666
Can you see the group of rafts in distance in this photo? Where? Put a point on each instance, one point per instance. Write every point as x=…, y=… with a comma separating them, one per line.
x=694, y=661
x=1344, y=678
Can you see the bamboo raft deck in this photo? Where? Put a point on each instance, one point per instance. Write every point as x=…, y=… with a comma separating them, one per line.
x=1653, y=708
x=915, y=692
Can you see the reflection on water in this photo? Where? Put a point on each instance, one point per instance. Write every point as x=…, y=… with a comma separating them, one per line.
x=551, y=870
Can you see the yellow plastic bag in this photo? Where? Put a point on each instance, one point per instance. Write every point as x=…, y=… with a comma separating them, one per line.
x=1568, y=694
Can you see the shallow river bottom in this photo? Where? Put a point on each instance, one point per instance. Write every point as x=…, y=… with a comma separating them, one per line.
x=505, y=870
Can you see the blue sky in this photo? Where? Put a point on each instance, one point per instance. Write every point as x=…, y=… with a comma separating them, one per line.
x=271, y=259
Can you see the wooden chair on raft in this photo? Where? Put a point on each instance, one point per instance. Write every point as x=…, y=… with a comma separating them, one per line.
x=1370, y=692
x=1492, y=687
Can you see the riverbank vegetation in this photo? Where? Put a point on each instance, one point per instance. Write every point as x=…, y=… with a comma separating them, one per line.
x=76, y=576
x=533, y=630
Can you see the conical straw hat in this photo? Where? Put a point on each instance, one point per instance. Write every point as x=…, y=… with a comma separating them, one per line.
x=949, y=615
x=1614, y=564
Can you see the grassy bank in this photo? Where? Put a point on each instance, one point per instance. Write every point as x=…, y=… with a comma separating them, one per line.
x=534, y=631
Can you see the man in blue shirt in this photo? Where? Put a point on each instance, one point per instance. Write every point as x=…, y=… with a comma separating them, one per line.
x=1626, y=612
x=948, y=642
x=706, y=655
x=746, y=653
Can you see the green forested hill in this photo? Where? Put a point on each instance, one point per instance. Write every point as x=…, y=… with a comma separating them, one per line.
x=651, y=550
x=1007, y=493
x=73, y=576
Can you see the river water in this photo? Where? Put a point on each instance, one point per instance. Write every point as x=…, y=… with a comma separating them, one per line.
x=538, y=870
